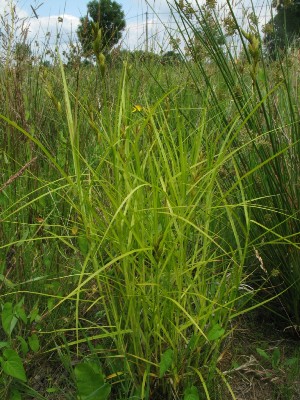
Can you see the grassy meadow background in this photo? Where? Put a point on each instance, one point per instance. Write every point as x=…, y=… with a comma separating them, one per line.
x=149, y=216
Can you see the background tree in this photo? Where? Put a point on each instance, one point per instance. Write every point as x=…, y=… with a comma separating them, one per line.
x=171, y=57
x=111, y=19
x=284, y=28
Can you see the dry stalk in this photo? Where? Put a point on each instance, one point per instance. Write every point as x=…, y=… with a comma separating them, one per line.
x=17, y=174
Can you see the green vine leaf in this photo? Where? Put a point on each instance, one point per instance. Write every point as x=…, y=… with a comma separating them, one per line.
x=12, y=365
x=90, y=382
x=215, y=332
x=8, y=318
x=165, y=362
x=191, y=393
x=34, y=343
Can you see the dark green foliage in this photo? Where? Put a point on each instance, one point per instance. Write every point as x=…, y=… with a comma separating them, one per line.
x=22, y=52
x=284, y=29
x=111, y=19
x=136, y=57
x=171, y=58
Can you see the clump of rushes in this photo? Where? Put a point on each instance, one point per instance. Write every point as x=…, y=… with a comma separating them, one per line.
x=271, y=131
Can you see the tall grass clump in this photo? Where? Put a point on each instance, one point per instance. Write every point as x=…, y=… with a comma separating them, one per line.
x=134, y=212
x=156, y=281
x=143, y=272
x=262, y=91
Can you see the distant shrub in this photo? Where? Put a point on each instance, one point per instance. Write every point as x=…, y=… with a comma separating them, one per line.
x=171, y=57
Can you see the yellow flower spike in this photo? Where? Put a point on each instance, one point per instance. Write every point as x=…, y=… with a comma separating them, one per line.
x=137, y=108
x=74, y=230
x=101, y=62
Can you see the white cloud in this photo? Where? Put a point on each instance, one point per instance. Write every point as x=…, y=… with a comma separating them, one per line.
x=55, y=27
x=7, y=7
x=22, y=25
x=160, y=23
x=48, y=30
x=135, y=36
x=13, y=26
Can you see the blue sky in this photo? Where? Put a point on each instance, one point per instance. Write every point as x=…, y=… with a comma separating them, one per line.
x=131, y=7
x=76, y=7
x=135, y=15
x=72, y=10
